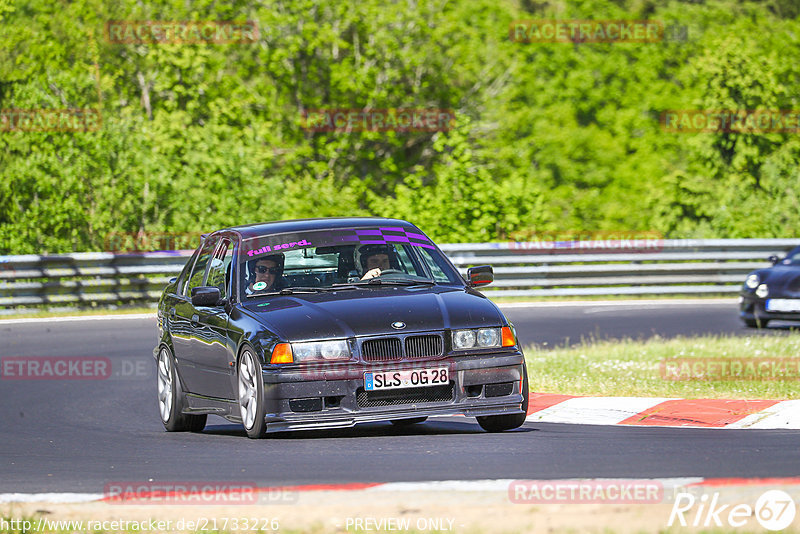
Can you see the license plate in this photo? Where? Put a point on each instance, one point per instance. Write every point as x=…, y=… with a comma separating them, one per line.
x=406, y=379
x=783, y=305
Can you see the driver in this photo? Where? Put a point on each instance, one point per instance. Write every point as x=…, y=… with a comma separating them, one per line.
x=267, y=270
x=373, y=259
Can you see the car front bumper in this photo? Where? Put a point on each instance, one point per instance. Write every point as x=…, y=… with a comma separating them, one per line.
x=488, y=384
x=754, y=308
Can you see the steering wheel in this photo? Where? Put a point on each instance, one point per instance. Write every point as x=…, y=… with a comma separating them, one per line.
x=390, y=271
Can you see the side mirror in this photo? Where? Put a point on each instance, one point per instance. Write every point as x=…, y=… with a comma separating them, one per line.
x=773, y=259
x=480, y=275
x=205, y=296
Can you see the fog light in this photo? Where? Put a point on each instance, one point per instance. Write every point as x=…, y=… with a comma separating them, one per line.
x=762, y=291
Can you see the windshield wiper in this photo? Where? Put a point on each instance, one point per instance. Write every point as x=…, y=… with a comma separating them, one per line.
x=337, y=287
x=288, y=291
x=300, y=289
x=379, y=282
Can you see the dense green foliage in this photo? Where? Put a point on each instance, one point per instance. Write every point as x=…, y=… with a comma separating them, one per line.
x=549, y=136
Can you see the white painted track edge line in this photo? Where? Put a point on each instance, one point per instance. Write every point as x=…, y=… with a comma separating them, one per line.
x=584, y=303
x=56, y=498
x=673, y=302
x=488, y=485
x=74, y=318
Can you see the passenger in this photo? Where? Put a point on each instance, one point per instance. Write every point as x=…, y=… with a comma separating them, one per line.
x=267, y=270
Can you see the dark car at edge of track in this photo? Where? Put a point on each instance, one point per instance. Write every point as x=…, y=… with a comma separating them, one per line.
x=289, y=326
x=772, y=293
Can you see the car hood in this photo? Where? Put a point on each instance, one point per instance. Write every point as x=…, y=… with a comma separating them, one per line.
x=368, y=312
x=781, y=278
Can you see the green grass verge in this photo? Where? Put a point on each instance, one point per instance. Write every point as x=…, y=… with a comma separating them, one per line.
x=632, y=368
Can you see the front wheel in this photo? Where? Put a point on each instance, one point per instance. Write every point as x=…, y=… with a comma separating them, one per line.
x=251, y=395
x=170, y=398
x=499, y=423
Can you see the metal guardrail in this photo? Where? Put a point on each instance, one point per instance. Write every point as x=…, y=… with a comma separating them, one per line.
x=87, y=279
x=538, y=269
x=645, y=267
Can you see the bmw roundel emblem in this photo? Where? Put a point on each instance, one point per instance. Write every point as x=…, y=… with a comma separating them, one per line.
x=398, y=325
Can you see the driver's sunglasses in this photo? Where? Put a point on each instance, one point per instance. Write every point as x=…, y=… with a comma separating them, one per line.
x=261, y=269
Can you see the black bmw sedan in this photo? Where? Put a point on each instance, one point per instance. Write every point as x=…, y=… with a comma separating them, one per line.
x=772, y=293
x=326, y=323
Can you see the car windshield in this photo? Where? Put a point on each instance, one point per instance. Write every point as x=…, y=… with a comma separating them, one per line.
x=793, y=258
x=341, y=258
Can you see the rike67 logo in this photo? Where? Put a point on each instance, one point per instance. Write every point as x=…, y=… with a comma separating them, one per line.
x=774, y=510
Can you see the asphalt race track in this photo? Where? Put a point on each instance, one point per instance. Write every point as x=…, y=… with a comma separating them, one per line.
x=554, y=325
x=78, y=436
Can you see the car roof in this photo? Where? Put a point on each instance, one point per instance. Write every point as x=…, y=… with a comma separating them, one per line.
x=303, y=225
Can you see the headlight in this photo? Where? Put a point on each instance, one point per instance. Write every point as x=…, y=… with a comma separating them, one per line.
x=463, y=339
x=482, y=338
x=762, y=291
x=321, y=350
x=489, y=337
x=752, y=281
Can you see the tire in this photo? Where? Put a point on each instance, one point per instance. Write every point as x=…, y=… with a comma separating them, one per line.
x=251, y=395
x=500, y=423
x=170, y=398
x=409, y=422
